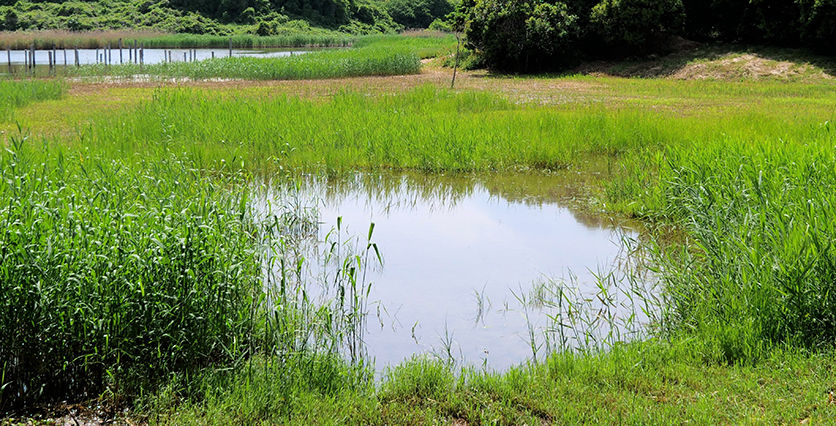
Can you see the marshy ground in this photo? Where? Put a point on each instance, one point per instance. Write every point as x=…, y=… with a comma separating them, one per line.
x=731, y=147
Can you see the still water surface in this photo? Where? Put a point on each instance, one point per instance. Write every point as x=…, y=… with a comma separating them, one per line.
x=460, y=254
x=17, y=58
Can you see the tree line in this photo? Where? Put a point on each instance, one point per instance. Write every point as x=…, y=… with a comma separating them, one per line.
x=223, y=17
x=537, y=35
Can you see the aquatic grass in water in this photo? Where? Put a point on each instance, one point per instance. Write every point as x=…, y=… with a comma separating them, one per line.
x=118, y=276
x=311, y=65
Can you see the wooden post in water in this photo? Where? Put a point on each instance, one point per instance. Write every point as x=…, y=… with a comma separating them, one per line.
x=77, y=62
x=184, y=56
x=49, y=67
x=213, y=54
x=97, y=55
x=120, y=50
x=136, y=53
x=33, y=58
x=9, y=56
x=141, y=56
x=54, y=56
x=65, y=59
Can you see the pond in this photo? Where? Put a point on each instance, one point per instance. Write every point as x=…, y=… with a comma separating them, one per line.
x=15, y=61
x=490, y=270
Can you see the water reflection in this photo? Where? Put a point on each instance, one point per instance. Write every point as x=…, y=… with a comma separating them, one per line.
x=14, y=61
x=490, y=269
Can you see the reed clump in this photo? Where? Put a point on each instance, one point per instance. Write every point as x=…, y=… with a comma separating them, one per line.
x=311, y=65
x=18, y=93
x=759, y=267
x=115, y=278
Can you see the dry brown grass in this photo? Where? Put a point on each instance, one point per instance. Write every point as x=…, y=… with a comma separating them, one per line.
x=63, y=38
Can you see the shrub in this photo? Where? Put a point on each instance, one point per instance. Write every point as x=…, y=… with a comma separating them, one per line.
x=818, y=24
x=417, y=13
x=522, y=35
x=637, y=24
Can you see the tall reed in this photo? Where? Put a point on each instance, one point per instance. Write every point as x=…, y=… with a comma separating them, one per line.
x=759, y=266
x=312, y=65
x=114, y=277
x=17, y=93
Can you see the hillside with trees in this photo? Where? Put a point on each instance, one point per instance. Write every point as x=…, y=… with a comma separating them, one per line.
x=504, y=35
x=223, y=17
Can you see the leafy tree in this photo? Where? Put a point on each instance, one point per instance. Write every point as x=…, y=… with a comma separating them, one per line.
x=522, y=35
x=713, y=19
x=818, y=24
x=770, y=21
x=10, y=20
x=417, y=13
x=637, y=24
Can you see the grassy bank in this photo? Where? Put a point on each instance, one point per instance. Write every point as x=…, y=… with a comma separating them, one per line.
x=743, y=172
x=440, y=131
x=649, y=383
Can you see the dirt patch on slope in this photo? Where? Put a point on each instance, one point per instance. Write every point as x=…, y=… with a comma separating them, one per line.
x=691, y=61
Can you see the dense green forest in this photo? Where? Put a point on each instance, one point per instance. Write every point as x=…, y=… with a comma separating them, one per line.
x=507, y=35
x=535, y=35
x=224, y=17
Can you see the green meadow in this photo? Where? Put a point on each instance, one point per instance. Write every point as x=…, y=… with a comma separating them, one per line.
x=132, y=257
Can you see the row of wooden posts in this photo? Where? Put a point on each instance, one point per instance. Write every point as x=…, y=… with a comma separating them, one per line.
x=136, y=54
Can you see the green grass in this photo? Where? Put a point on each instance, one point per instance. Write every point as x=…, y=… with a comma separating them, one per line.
x=759, y=269
x=18, y=93
x=739, y=178
x=646, y=383
x=432, y=130
x=752, y=189
x=118, y=275
x=424, y=44
x=368, y=61
x=114, y=276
